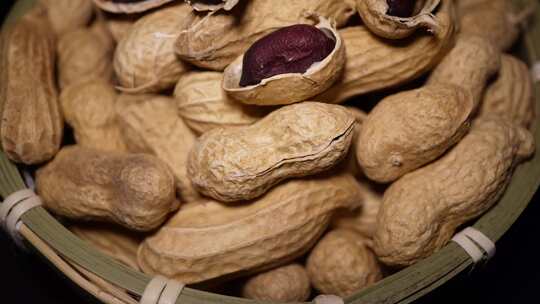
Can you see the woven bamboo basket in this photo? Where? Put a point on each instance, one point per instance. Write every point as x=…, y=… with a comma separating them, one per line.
x=113, y=283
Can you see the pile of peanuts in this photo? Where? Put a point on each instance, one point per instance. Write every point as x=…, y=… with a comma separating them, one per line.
x=231, y=142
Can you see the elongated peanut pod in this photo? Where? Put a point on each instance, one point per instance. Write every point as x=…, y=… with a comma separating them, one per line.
x=373, y=63
x=421, y=211
x=342, y=263
x=511, y=95
x=133, y=190
x=273, y=230
x=469, y=65
x=392, y=143
x=297, y=140
x=32, y=125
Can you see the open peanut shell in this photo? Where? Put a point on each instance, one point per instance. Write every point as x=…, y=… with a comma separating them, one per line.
x=375, y=17
x=215, y=5
x=125, y=7
x=290, y=87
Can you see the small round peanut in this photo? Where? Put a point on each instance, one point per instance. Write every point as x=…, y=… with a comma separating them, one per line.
x=288, y=283
x=342, y=263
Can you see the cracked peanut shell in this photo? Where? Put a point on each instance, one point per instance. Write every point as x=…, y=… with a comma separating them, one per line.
x=373, y=63
x=217, y=39
x=421, y=211
x=214, y=5
x=297, y=140
x=375, y=17
x=212, y=240
x=290, y=87
x=129, y=7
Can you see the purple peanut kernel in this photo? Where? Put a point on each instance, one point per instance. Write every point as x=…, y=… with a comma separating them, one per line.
x=292, y=49
x=400, y=8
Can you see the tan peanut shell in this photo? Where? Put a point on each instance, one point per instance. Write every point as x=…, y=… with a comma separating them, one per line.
x=144, y=60
x=364, y=219
x=215, y=40
x=119, y=25
x=421, y=211
x=374, y=16
x=290, y=87
x=100, y=29
x=511, y=95
x=495, y=20
x=297, y=140
x=204, y=5
x=204, y=105
x=129, y=7
x=133, y=190
x=115, y=242
x=289, y=283
x=83, y=55
x=68, y=15
x=342, y=263
x=412, y=128
x=373, y=63
x=350, y=162
x=469, y=65
x=89, y=108
x=150, y=124
x=32, y=125
x=212, y=240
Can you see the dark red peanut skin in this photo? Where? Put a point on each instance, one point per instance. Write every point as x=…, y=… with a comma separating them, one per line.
x=400, y=8
x=292, y=49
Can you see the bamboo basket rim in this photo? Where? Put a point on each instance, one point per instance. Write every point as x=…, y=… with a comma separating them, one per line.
x=114, y=283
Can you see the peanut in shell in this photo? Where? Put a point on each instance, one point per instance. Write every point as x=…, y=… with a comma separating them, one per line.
x=144, y=60
x=232, y=240
x=215, y=40
x=204, y=105
x=421, y=211
x=297, y=140
x=289, y=87
x=375, y=15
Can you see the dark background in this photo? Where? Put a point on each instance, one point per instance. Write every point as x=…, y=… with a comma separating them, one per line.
x=512, y=276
